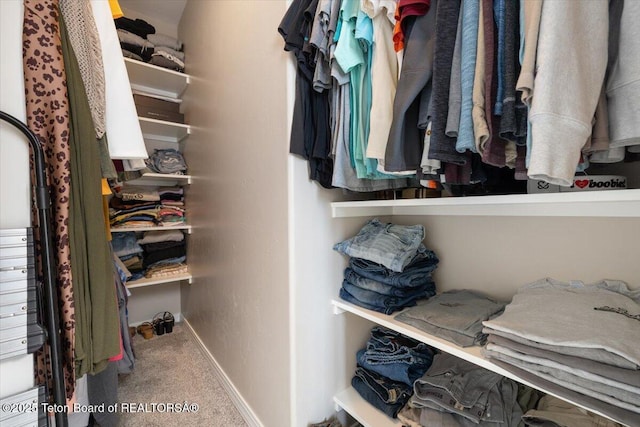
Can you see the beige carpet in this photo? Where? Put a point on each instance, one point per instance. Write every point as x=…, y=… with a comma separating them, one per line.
x=171, y=369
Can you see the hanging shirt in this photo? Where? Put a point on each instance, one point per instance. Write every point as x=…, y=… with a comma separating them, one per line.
x=384, y=75
x=470, y=16
x=404, y=147
x=442, y=146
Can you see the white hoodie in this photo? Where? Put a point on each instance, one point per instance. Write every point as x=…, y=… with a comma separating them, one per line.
x=571, y=62
x=623, y=84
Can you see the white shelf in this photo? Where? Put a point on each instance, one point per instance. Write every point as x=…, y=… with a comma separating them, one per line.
x=159, y=280
x=156, y=80
x=162, y=130
x=154, y=228
x=614, y=203
x=351, y=401
x=471, y=354
x=161, y=179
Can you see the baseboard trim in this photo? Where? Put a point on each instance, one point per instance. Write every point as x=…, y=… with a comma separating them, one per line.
x=235, y=396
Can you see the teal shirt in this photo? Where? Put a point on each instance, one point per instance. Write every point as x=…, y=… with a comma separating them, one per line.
x=353, y=53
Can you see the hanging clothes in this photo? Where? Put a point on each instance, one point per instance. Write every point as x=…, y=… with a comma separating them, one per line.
x=405, y=141
x=85, y=41
x=572, y=36
x=97, y=318
x=48, y=117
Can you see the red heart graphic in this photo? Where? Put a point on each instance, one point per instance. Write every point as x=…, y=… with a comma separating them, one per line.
x=581, y=183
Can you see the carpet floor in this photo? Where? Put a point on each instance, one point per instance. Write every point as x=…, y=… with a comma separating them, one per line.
x=172, y=369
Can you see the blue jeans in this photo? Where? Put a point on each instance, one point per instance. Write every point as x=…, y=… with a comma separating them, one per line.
x=125, y=244
x=402, y=372
x=417, y=272
x=385, y=289
x=391, y=245
x=395, y=356
x=378, y=302
x=384, y=394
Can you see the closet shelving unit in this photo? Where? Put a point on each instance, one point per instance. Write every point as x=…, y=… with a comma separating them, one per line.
x=161, y=82
x=613, y=203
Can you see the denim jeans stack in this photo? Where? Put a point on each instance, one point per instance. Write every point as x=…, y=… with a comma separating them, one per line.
x=389, y=268
x=388, y=367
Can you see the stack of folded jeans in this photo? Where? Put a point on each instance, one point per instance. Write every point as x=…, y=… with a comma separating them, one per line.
x=456, y=392
x=389, y=269
x=387, y=368
x=130, y=253
x=456, y=316
x=578, y=341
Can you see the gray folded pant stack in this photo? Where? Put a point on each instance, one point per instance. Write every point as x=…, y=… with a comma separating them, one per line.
x=578, y=341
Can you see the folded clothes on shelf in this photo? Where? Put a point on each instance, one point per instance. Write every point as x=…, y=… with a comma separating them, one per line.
x=159, y=39
x=391, y=245
x=382, y=393
x=455, y=315
x=139, y=27
x=598, y=367
x=416, y=273
x=462, y=388
x=161, y=236
x=168, y=161
x=395, y=356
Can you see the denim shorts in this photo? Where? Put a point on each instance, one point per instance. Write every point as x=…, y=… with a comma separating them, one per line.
x=384, y=289
x=391, y=245
x=386, y=308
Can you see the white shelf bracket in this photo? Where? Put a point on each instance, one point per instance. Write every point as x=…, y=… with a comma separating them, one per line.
x=337, y=310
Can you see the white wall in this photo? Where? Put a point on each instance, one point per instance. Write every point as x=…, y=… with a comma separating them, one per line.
x=239, y=300
x=16, y=373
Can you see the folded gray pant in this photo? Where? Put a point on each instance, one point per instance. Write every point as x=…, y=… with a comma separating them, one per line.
x=619, y=376
x=619, y=414
x=613, y=395
x=537, y=310
x=455, y=316
x=593, y=354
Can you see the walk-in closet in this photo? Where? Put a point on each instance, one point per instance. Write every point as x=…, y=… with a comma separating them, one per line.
x=264, y=148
